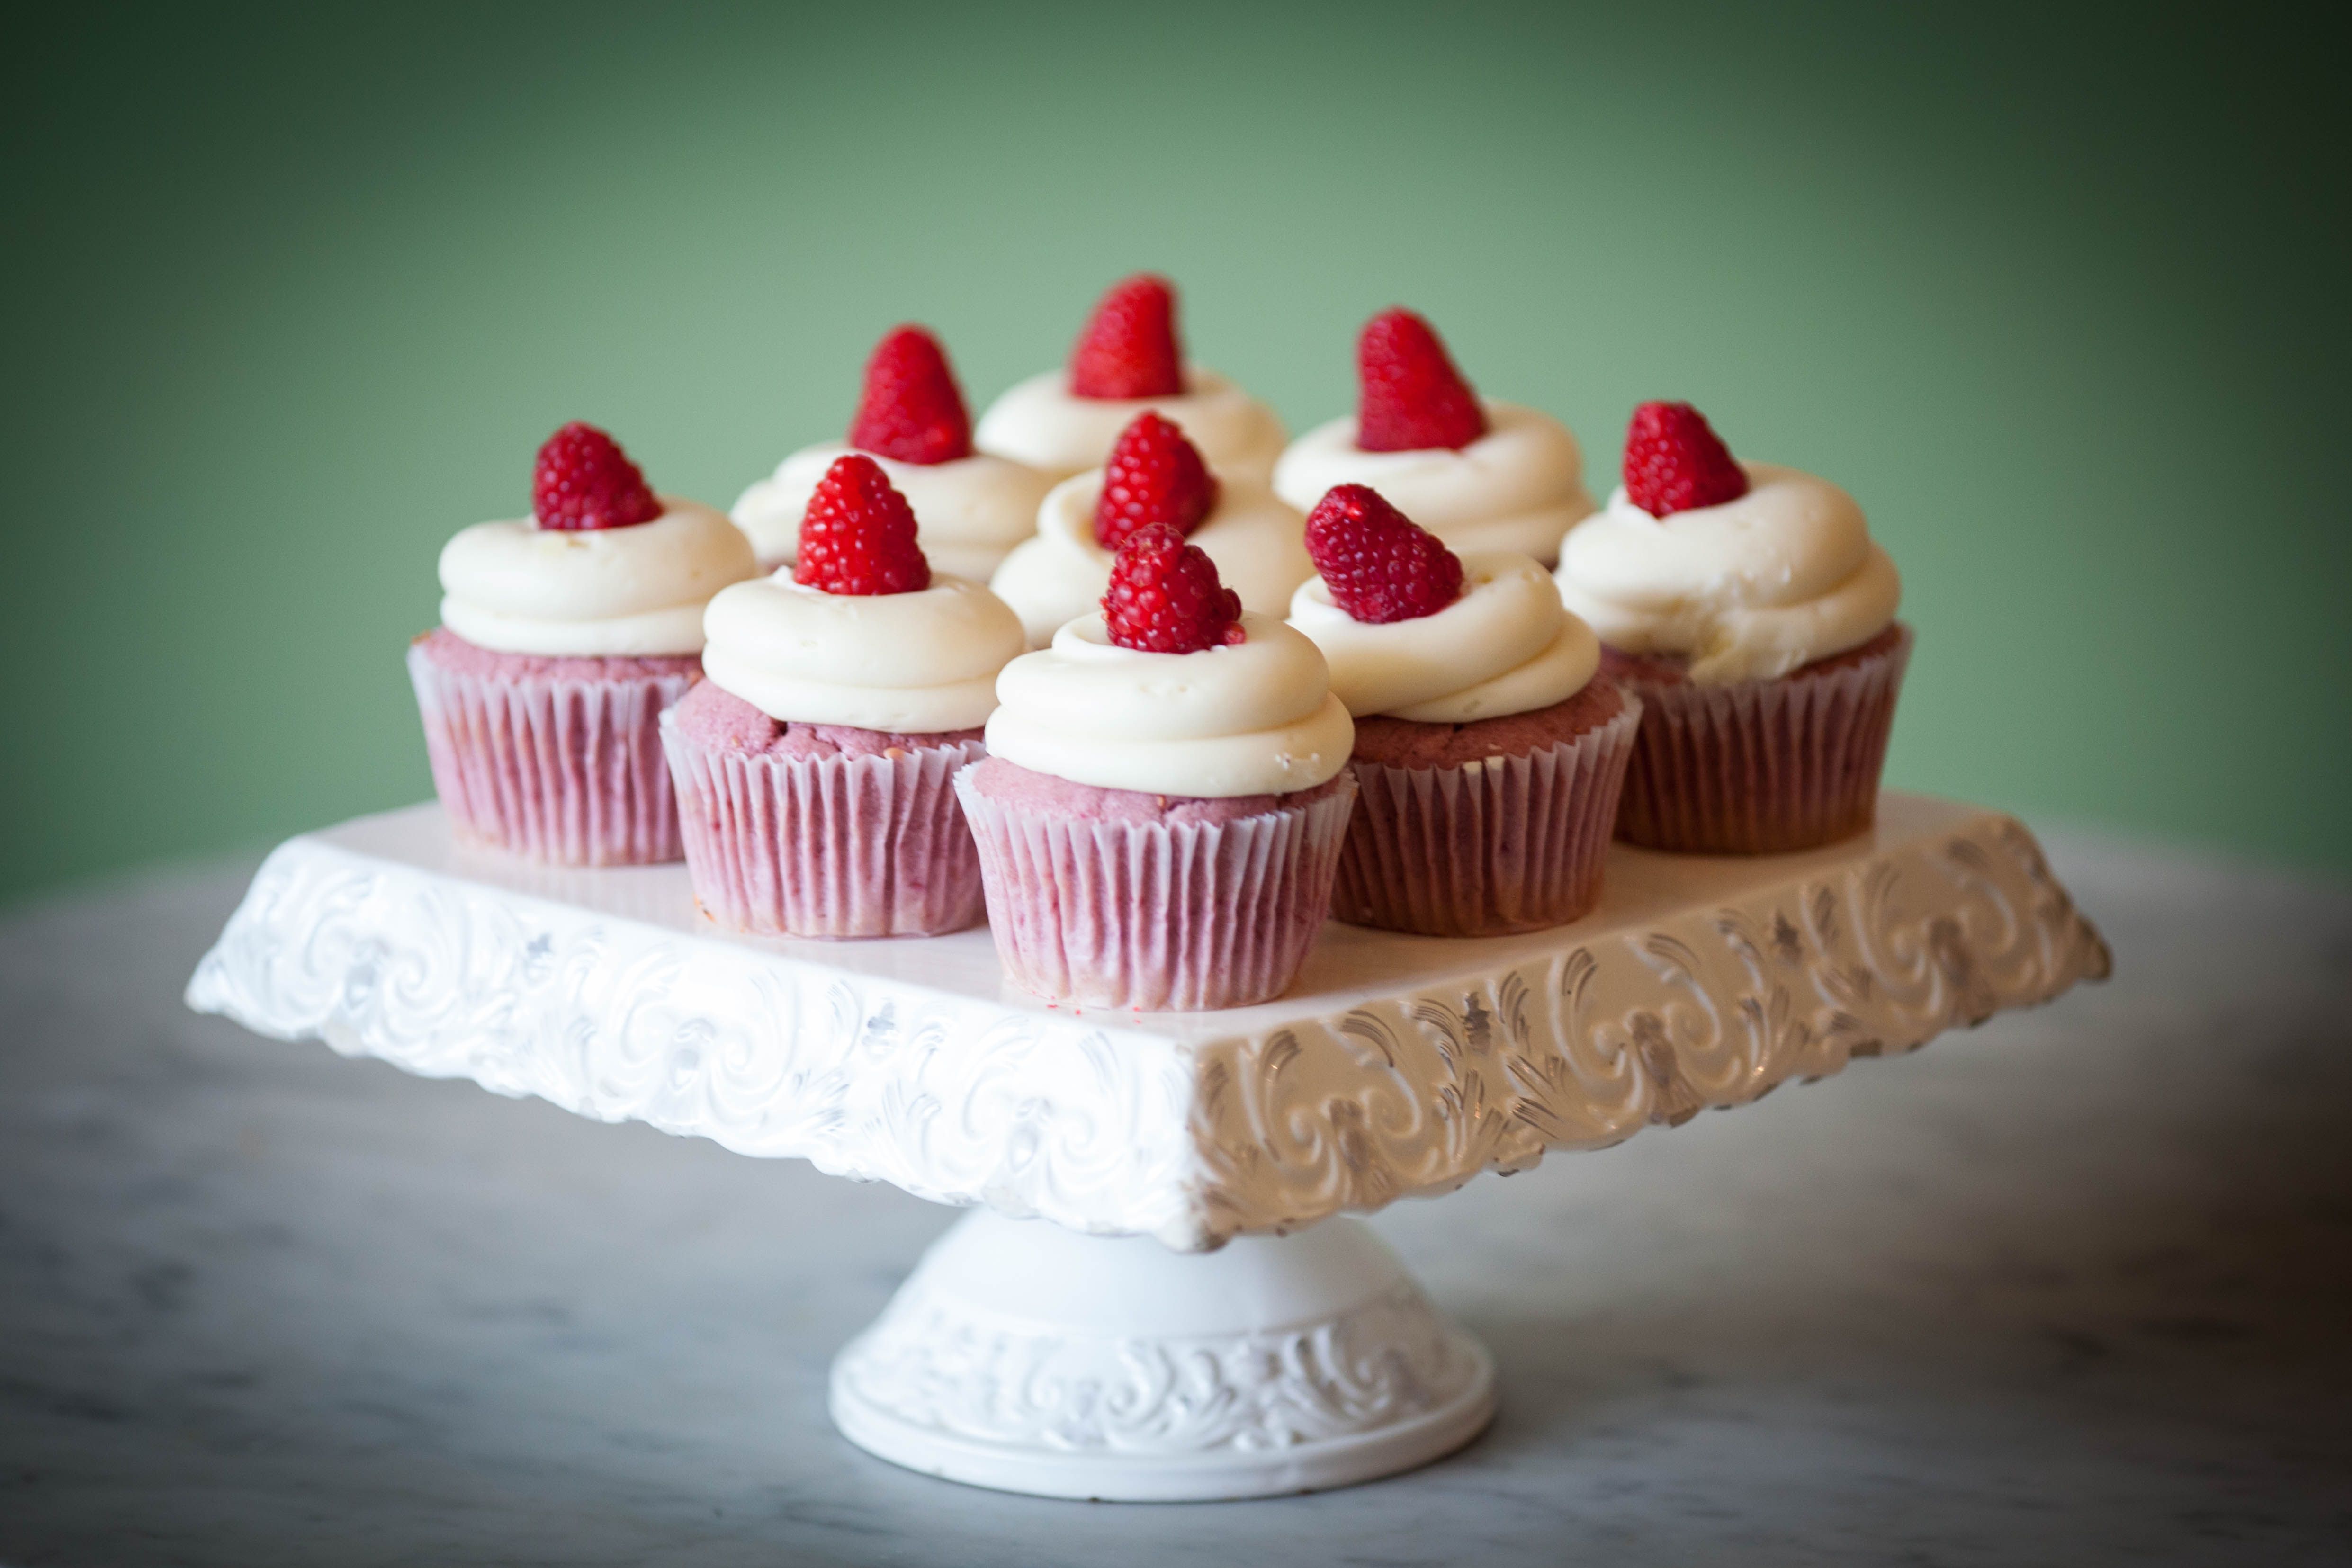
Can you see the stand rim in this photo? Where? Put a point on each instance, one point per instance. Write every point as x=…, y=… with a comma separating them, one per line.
x=1021, y=1357
x=1324, y=1464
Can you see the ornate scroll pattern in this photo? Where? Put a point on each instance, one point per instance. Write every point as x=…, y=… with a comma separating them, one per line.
x=1112, y=1130
x=930, y=1363
x=1583, y=1049
x=954, y=1100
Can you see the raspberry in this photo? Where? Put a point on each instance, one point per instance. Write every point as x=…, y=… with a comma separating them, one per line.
x=1378, y=566
x=1154, y=475
x=1410, y=398
x=912, y=410
x=583, y=480
x=1165, y=597
x=1675, y=461
x=1128, y=349
x=858, y=534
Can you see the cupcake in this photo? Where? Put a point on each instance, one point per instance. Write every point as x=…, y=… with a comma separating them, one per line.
x=563, y=636
x=1127, y=361
x=970, y=507
x=1478, y=475
x=1748, y=608
x=1155, y=475
x=816, y=766
x=1164, y=798
x=1489, y=753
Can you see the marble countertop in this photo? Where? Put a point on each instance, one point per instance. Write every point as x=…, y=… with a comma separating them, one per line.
x=2070, y=1288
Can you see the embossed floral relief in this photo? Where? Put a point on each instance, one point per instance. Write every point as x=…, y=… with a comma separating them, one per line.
x=966, y=1099
x=934, y=1366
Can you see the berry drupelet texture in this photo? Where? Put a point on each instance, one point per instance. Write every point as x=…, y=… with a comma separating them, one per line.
x=1410, y=398
x=1674, y=462
x=912, y=411
x=1129, y=348
x=1154, y=475
x=858, y=534
x=1378, y=564
x=583, y=480
x=1165, y=597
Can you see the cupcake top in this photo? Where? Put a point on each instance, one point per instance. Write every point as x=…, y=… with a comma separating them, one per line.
x=1172, y=689
x=860, y=633
x=603, y=568
x=1748, y=570
x=969, y=506
x=1155, y=475
x=1412, y=631
x=1479, y=474
x=1129, y=360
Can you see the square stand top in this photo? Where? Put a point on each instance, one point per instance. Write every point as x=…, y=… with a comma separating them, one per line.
x=1396, y=1066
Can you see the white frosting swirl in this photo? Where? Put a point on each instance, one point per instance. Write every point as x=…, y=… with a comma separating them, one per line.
x=968, y=512
x=1518, y=487
x=632, y=592
x=1507, y=645
x=1259, y=545
x=912, y=664
x=1254, y=719
x=1040, y=421
x=1750, y=590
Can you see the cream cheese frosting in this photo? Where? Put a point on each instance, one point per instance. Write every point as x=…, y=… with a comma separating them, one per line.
x=1258, y=543
x=1507, y=645
x=1518, y=487
x=1040, y=423
x=1255, y=717
x=913, y=663
x=629, y=592
x=1749, y=590
x=969, y=511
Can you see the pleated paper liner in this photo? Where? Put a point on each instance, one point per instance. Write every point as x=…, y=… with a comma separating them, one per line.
x=555, y=769
x=1761, y=767
x=828, y=846
x=1487, y=847
x=1161, y=917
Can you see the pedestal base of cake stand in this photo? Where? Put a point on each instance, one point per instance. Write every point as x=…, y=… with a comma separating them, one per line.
x=1025, y=1357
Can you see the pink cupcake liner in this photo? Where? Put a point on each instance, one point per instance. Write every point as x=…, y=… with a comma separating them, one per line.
x=1761, y=767
x=1160, y=917
x=828, y=846
x=1487, y=847
x=563, y=771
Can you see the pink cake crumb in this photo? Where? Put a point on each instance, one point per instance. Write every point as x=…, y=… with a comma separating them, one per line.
x=449, y=652
x=719, y=720
x=1410, y=743
x=1020, y=789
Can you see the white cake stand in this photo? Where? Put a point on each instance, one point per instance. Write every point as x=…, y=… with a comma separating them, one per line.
x=1145, y=1305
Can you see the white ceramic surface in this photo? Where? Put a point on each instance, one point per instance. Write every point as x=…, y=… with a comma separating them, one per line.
x=1398, y=1065
x=1029, y=1358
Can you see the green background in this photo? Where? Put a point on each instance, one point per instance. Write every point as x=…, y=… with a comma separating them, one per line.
x=291, y=297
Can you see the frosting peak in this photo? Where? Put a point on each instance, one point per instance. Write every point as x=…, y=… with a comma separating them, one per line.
x=1254, y=717
x=1518, y=487
x=1507, y=645
x=1043, y=423
x=607, y=592
x=1749, y=590
x=969, y=511
x=1258, y=543
x=910, y=663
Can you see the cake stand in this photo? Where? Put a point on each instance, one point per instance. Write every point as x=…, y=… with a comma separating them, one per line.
x=1159, y=1295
